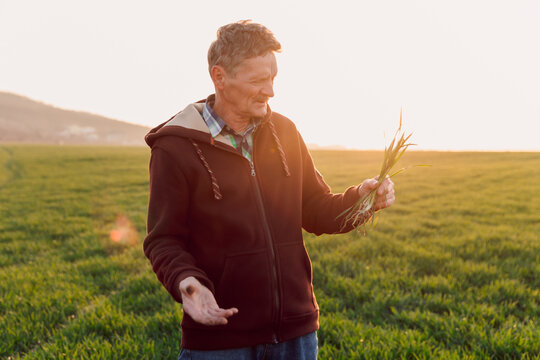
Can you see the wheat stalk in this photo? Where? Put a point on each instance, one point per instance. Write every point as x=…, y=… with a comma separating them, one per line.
x=362, y=211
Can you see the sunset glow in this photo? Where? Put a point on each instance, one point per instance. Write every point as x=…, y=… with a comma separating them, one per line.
x=465, y=72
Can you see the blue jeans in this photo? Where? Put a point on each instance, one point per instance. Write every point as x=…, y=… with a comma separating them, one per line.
x=301, y=348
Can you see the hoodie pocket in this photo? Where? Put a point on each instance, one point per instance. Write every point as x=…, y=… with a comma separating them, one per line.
x=245, y=285
x=296, y=281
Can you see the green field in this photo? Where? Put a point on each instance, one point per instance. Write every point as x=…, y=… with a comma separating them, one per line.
x=452, y=270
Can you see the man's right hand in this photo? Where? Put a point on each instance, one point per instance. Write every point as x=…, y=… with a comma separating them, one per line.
x=200, y=304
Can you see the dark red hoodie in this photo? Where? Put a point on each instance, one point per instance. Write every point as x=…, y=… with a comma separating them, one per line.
x=238, y=228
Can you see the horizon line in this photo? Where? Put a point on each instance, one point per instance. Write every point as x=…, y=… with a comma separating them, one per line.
x=335, y=147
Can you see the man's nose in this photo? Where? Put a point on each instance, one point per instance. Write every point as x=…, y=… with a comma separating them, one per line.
x=268, y=89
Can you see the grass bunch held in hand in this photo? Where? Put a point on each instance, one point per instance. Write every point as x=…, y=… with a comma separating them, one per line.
x=363, y=208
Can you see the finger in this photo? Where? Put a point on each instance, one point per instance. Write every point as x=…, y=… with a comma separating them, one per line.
x=384, y=194
x=213, y=320
x=390, y=185
x=207, y=318
x=385, y=203
x=370, y=183
x=217, y=316
x=214, y=316
x=215, y=313
x=224, y=312
x=387, y=190
x=367, y=186
x=219, y=321
x=387, y=184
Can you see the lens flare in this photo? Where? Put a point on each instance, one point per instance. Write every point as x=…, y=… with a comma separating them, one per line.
x=124, y=231
x=116, y=235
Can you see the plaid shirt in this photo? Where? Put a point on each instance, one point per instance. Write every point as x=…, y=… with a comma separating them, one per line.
x=243, y=143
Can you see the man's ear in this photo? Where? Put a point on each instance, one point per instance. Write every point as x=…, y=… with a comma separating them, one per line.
x=218, y=75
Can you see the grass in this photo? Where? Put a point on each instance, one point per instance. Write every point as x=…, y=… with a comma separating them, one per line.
x=451, y=271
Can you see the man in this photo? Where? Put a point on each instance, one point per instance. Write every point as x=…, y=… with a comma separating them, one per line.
x=232, y=184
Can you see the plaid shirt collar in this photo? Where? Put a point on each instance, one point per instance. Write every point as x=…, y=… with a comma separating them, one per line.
x=213, y=121
x=243, y=143
x=217, y=125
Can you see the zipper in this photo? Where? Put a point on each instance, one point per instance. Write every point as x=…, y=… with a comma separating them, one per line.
x=266, y=228
x=271, y=248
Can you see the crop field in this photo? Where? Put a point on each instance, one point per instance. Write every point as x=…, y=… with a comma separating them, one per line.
x=451, y=271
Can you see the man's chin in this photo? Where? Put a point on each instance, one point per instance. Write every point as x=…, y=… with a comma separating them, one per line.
x=260, y=112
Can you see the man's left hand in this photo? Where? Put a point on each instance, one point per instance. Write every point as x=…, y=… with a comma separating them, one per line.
x=385, y=193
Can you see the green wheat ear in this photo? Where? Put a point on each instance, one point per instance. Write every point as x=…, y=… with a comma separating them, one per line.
x=360, y=213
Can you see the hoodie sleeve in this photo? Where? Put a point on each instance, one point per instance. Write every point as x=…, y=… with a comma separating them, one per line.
x=167, y=229
x=320, y=207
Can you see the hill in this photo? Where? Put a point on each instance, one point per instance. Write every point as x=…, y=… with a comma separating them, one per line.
x=24, y=120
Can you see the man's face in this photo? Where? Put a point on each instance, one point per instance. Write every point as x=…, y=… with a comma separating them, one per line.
x=248, y=89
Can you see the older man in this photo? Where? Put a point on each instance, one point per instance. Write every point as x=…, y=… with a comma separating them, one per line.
x=232, y=184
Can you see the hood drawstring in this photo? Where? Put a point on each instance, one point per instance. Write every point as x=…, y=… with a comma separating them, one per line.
x=215, y=186
x=280, y=149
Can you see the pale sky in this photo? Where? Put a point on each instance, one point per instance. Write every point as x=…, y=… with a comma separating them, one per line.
x=467, y=73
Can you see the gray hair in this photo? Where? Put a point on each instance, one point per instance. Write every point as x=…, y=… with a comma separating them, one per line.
x=239, y=41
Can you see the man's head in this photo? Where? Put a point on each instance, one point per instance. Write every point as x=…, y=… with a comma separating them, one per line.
x=240, y=41
x=243, y=66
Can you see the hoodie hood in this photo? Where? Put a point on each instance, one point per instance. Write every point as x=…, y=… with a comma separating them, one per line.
x=189, y=123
